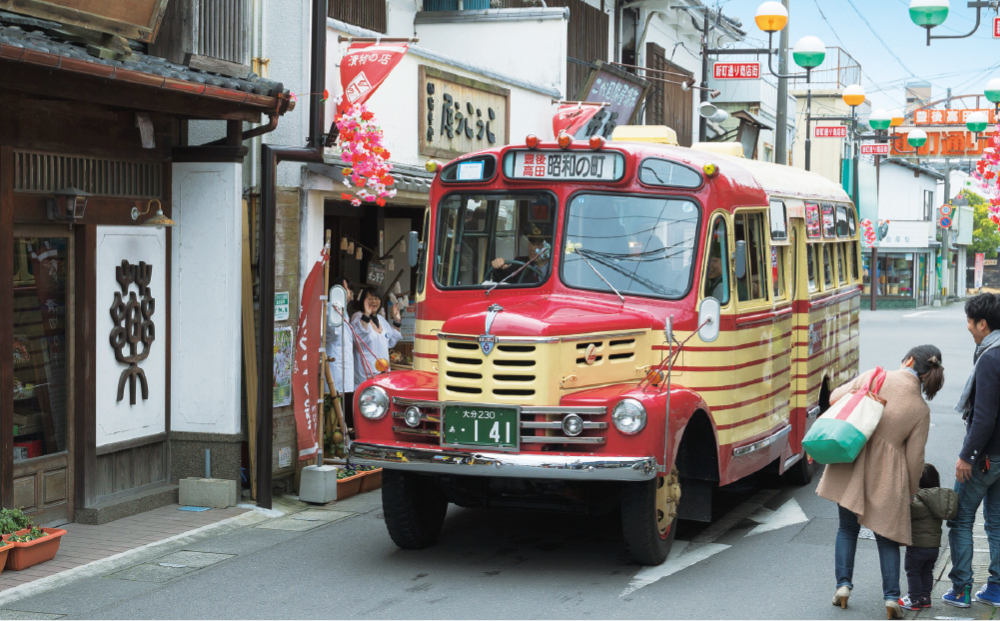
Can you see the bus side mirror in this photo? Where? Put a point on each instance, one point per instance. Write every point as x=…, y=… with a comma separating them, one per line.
x=413, y=248
x=741, y=259
x=708, y=320
x=337, y=306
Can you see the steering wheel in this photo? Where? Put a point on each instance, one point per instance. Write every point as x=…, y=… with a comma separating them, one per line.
x=520, y=277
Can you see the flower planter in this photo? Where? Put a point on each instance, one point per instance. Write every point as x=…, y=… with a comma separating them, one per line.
x=358, y=484
x=24, y=555
x=4, y=551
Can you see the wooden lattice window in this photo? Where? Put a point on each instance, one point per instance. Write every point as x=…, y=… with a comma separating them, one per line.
x=368, y=14
x=668, y=104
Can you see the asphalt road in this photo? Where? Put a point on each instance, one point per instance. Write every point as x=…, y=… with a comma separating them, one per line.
x=771, y=556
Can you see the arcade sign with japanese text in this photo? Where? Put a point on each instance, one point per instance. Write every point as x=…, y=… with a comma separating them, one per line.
x=875, y=149
x=621, y=90
x=943, y=143
x=736, y=71
x=950, y=116
x=830, y=131
x=457, y=115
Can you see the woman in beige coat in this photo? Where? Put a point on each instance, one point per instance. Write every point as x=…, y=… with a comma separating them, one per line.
x=875, y=490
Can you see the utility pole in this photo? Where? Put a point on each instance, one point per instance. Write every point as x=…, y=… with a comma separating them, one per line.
x=945, y=242
x=781, y=117
x=703, y=92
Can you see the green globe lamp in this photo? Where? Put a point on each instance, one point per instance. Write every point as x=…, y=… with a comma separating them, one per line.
x=917, y=138
x=976, y=122
x=880, y=120
x=993, y=90
x=809, y=53
x=929, y=13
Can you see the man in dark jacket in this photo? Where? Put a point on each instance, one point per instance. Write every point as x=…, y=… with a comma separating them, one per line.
x=977, y=472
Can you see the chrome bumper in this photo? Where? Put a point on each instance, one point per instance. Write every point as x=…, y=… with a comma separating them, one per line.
x=510, y=465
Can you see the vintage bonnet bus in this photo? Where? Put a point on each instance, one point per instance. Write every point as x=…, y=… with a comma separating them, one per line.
x=613, y=326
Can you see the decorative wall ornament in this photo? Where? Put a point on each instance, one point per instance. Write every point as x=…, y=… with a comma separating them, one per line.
x=133, y=325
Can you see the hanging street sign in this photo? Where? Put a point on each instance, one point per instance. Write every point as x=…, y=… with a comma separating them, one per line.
x=945, y=210
x=736, y=71
x=944, y=222
x=831, y=131
x=996, y=27
x=950, y=116
x=875, y=149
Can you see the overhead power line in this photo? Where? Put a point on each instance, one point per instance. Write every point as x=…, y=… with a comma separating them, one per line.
x=879, y=38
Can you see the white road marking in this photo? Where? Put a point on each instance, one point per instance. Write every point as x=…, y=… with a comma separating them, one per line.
x=735, y=516
x=679, y=559
x=919, y=313
x=787, y=514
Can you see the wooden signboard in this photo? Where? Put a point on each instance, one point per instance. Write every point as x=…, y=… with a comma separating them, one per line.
x=132, y=19
x=458, y=115
x=621, y=90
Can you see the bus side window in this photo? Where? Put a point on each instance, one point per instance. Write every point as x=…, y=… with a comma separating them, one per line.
x=717, y=272
x=827, y=268
x=753, y=284
x=841, y=265
x=853, y=251
x=811, y=267
x=778, y=271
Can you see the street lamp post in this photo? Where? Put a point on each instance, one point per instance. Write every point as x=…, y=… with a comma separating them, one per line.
x=931, y=13
x=809, y=53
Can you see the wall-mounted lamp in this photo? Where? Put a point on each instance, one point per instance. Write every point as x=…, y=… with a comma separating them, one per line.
x=67, y=204
x=159, y=220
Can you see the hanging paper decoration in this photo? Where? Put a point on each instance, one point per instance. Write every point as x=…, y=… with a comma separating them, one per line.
x=868, y=231
x=571, y=118
x=363, y=69
x=367, y=160
x=986, y=175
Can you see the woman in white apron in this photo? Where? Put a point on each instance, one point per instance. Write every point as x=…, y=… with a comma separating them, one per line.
x=377, y=335
x=340, y=353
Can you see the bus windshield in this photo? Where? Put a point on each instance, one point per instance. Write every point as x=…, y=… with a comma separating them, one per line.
x=485, y=239
x=630, y=244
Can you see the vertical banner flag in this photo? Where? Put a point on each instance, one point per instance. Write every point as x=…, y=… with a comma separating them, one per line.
x=978, y=273
x=305, y=375
x=571, y=118
x=363, y=69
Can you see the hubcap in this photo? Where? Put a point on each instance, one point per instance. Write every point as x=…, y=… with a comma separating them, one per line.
x=668, y=497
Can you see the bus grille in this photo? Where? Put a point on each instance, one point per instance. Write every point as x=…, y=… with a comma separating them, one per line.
x=512, y=373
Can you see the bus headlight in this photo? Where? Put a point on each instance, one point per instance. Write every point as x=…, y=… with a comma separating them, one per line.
x=629, y=416
x=373, y=402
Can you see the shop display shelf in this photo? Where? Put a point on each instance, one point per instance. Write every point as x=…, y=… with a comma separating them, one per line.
x=24, y=555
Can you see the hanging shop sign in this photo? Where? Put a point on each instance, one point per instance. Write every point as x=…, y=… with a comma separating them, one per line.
x=996, y=27
x=133, y=325
x=736, y=71
x=281, y=306
x=830, y=131
x=376, y=273
x=458, y=115
x=305, y=387
x=875, y=149
x=950, y=143
x=363, y=69
x=978, y=273
x=950, y=116
x=283, y=361
x=622, y=91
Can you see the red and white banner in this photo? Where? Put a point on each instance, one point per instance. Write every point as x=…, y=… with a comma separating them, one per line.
x=996, y=27
x=571, y=118
x=363, y=69
x=830, y=131
x=875, y=149
x=305, y=373
x=736, y=71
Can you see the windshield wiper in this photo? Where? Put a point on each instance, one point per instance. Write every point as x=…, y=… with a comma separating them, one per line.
x=580, y=252
x=544, y=253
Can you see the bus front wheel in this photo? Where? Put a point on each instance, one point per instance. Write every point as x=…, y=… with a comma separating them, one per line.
x=413, y=507
x=649, y=517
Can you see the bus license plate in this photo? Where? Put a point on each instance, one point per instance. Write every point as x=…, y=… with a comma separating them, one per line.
x=478, y=425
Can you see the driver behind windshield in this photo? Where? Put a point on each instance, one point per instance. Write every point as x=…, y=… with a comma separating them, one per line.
x=534, y=266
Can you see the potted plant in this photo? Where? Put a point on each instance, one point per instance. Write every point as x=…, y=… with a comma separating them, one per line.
x=31, y=546
x=353, y=479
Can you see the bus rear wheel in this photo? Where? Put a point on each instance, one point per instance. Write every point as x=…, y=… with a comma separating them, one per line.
x=413, y=507
x=801, y=472
x=649, y=517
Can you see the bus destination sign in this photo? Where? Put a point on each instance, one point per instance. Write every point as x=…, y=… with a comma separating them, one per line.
x=566, y=165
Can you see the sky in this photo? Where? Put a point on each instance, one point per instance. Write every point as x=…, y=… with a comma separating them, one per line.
x=890, y=48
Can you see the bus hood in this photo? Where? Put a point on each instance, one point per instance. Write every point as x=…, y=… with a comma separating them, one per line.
x=546, y=316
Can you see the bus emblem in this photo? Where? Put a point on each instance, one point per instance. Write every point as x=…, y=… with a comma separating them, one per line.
x=486, y=341
x=591, y=356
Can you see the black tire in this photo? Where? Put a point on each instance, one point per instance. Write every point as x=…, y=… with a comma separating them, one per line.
x=643, y=540
x=413, y=507
x=801, y=472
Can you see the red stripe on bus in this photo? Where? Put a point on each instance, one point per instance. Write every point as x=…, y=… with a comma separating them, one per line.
x=733, y=367
x=421, y=355
x=744, y=384
x=752, y=419
x=725, y=349
x=739, y=404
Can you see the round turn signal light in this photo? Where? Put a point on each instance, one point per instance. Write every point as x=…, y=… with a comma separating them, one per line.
x=711, y=170
x=432, y=166
x=531, y=141
x=597, y=142
x=564, y=140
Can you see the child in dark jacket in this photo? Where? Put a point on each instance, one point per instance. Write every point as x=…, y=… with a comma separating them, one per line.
x=928, y=509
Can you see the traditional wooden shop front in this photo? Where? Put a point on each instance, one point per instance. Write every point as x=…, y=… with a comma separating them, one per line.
x=125, y=337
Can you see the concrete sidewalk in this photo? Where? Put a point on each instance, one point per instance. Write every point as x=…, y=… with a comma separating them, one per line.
x=75, y=591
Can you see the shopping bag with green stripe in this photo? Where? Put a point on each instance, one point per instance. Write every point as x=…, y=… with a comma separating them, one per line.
x=838, y=435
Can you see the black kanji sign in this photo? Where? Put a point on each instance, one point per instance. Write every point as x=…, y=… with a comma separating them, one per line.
x=133, y=325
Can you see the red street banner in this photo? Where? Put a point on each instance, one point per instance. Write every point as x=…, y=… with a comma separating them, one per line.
x=305, y=374
x=831, y=131
x=996, y=27
x=736, y=71
x=875, y=149
x=571, y=118
x=363, y=69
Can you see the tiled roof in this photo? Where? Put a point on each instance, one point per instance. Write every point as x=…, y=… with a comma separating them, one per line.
x=37, y=41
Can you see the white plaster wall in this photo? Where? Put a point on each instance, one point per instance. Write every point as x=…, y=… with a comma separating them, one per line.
x=533, y=50
x=119, y=420
x=399, y=17
x=206, y=355
x=901, y=195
